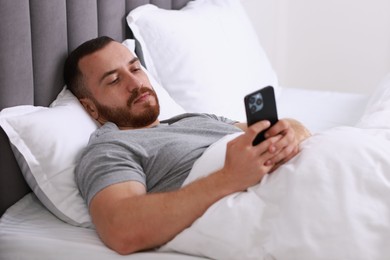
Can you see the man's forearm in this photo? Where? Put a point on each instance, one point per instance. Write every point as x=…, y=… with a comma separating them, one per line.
x=146, y=221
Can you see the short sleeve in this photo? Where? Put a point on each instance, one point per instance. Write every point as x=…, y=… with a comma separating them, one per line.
x=222, y=119
x=102, y=165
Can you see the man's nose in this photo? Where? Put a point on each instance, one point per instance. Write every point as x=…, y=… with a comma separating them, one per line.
x=132, y=82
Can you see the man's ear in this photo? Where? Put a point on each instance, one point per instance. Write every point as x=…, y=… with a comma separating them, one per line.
x=90, y=107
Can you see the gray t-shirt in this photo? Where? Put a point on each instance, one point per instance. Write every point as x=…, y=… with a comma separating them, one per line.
x=160, y=157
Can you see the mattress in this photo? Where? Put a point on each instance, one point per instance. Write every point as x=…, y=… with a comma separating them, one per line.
x=28, y=229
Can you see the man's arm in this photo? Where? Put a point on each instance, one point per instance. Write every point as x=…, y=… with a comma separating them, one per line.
x=128, y=219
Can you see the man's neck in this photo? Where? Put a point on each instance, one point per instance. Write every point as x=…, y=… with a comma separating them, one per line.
x=155, y=123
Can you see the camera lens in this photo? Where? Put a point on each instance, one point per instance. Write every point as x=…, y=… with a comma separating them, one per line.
x=252, y=100
x=253, y=109
x=259, y=101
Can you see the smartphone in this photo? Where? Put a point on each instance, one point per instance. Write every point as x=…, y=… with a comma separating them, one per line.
x=261, y=105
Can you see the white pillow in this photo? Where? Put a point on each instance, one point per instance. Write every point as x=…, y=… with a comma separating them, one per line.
x=47, y=142
x=377, y=112
x=207, y=55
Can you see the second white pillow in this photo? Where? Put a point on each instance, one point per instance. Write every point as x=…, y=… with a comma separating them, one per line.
x=206, y=55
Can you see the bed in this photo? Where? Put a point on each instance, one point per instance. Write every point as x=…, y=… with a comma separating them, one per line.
x=186, y=60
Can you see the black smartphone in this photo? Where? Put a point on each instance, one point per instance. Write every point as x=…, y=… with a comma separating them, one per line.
x=261, y=105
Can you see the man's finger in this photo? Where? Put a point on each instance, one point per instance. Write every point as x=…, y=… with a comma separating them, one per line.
x=277, y=128
x=256, y=128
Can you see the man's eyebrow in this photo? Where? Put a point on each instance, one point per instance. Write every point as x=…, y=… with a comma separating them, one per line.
x=108, y=73
x=133, y=60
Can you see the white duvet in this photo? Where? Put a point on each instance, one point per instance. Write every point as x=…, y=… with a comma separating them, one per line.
x=332, y=201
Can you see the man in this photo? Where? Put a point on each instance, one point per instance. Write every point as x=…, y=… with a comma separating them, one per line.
x=132, y=170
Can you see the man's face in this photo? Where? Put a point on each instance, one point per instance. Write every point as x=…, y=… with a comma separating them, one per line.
x=120, y=89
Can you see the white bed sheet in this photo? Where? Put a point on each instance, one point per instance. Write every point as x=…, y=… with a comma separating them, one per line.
x=330, y=202
x=27, y=229
x=320, y=110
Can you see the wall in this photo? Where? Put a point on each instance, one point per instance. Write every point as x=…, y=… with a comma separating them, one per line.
x=331, y=45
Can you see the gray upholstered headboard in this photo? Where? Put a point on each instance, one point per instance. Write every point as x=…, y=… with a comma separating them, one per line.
x=36, y=36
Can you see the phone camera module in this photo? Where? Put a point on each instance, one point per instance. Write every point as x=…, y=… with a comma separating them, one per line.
x=256, y=103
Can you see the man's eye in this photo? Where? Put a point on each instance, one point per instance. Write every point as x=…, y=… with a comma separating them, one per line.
x=135, y=69
x=113, y=82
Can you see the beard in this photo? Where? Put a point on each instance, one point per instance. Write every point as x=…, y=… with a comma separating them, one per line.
x=125, y=117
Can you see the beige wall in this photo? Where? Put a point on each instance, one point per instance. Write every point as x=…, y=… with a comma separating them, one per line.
x=333, y=45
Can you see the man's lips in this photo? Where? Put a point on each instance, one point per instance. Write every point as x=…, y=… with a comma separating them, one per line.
x=142, y=97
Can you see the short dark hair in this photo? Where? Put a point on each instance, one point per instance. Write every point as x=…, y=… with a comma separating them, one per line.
x=72, y=75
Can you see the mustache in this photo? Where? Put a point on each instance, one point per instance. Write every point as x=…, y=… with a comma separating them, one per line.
x=137, y=92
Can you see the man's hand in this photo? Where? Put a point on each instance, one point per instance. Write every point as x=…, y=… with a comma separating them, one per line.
x=245, y=164
x=291, y=133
